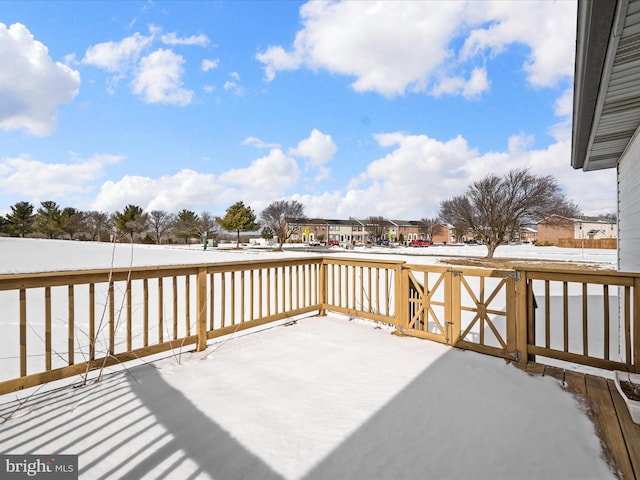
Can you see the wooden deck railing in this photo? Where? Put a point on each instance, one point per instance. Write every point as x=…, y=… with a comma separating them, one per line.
x=62, y=324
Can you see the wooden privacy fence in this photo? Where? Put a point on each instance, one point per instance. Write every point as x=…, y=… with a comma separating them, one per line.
x=61, y=324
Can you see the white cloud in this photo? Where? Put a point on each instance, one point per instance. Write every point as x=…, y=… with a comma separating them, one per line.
x=31, y=83
x=319, y=148
x=118, y=57
x=186, y=189
x=475, y=86
x=208, y=65
x=264, y=180
x=276, y=59
x=547, y=28
x=392, y=47
x=267, y=177
x=256, y=142
x=39, y=180
x=173, y=39
x=158, y=79
x=157, y=76
x=233, y=88
x=420, y=172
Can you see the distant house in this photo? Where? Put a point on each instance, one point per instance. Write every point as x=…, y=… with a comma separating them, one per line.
x=308, y=229
x=346, y=231
x=606, y=109
x=407, y=230
x=446, y=234
x=555, y=228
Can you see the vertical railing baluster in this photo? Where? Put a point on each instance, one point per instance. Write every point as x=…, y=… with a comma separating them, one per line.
x=160, y=310
x=565, y=317
x=223, y=298
x=174, y=285
x=187, y=305
x=547, y=315
x=212, y=303
x=585, y=322
x=251, y=294
x=233, y=298
x=47, y=327
x=92, y=321
x=145, y=313
x=129, y=316
x=112, y=318
x=268, y=292
x=607, y=338
x=71, y=325
x=23, y=332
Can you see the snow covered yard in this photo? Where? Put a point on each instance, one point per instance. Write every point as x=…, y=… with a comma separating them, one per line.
x=324, y=397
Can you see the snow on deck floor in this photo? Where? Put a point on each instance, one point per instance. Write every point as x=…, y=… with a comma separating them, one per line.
x=324, y=398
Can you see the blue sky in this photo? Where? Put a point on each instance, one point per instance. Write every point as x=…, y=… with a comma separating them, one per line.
x=352, y=108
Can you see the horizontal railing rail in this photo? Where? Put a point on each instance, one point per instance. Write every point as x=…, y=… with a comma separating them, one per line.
x=61, y=324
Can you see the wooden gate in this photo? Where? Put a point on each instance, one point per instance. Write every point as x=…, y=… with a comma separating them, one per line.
x=467, y=308
x=427, y=316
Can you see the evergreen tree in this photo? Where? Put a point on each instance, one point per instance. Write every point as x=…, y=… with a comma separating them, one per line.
x=130, y=221
x=20, y=220
x=186, y=225
x=47, y=219
x=238, y=218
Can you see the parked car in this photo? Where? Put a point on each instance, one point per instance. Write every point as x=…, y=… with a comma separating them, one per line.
x=419, y=243
x=333, y=243
x=382, y=242
x=314, y=243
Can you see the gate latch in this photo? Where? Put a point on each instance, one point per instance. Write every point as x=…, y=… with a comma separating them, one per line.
x=515, y=355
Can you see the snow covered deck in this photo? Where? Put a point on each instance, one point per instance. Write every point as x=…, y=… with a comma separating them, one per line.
x=605, y=406
x=324, y=397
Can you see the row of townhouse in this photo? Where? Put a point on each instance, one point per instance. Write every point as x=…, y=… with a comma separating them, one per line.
x=357, y=231
x=551, y=229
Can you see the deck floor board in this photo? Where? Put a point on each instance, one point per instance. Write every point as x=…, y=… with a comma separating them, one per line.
x=620, y=436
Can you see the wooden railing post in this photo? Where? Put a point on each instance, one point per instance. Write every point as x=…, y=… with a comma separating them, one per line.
x=201, y=305
x=521, y=318
x=322, y=288
x=401, y=298
x=453, y=312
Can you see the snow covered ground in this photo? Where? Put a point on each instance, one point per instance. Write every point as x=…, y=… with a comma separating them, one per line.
x=35, y=255
x=322, y=398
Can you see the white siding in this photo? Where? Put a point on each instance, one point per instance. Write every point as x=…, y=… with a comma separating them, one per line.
x=629, y=207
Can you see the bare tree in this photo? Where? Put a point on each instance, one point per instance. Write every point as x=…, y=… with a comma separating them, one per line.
x=495, y=207
x=160, y=224
x=283, y=218
x=97, y=224
x=207, y=225
x=430, y=227
x=376, y=226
